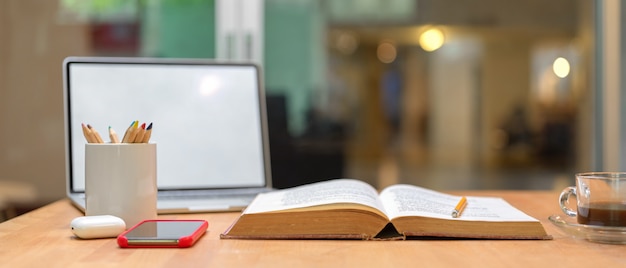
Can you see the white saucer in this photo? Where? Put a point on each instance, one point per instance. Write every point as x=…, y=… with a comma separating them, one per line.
x=594, y=233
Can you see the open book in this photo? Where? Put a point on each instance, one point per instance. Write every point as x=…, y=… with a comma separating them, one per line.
x=352, y=209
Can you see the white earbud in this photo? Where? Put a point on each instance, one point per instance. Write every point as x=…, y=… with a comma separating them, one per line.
x=102, y=226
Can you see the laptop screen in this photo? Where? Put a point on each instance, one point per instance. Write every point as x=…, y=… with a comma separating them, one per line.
x=207, y=117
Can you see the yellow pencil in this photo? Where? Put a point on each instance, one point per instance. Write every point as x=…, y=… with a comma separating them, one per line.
x=129, y=135
x=113, y=135
x=459, y=207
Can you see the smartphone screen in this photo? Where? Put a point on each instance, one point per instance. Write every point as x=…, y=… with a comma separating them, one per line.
x=175, y=233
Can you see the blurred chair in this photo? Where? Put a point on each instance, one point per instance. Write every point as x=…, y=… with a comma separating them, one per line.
x=15, y=194
x=312, y=157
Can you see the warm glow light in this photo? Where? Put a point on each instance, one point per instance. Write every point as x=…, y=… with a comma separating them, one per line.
x=209, y=85
x=561, y=67
x=347, y=43
x=432, y=39
x=386, y=52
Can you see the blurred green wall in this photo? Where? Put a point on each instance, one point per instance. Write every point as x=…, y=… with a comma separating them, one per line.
x=294, y=54
x=183, y=29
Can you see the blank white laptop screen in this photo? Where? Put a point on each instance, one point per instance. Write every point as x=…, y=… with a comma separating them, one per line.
x=206, y=119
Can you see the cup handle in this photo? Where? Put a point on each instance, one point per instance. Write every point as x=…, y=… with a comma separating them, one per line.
x=564, y=200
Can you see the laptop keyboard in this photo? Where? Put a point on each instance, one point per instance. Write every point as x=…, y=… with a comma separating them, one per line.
x=205, y=200
x=208, y=195
x=201, y=201
x=205, y=204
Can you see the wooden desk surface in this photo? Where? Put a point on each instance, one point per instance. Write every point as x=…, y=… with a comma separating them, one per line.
x=42, y=238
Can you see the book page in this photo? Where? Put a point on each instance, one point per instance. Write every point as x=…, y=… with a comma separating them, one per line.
x=321, y=193
x=407, y=200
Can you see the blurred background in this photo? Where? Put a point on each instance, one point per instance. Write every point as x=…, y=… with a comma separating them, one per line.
x=480, y=94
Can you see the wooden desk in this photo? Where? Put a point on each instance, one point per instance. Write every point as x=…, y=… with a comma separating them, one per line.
x=42, y=238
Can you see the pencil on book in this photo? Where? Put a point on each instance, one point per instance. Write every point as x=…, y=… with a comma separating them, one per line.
x=146, y=136
x=130, y=132
x=140, y=132
x=113, y=135
x=459, y=207
x=95, y=134
x=87, y=133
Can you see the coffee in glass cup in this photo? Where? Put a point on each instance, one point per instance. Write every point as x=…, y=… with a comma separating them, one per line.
x=600, y=199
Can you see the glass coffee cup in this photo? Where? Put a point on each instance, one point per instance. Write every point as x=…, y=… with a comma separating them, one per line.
x=600, y=199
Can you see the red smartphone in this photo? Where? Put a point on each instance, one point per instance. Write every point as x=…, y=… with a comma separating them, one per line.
x=163, y=234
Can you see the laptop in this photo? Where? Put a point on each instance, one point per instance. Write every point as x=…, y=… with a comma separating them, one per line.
x=209, y=124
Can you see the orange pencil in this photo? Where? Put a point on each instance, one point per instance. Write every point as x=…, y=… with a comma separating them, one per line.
x=459, y=207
